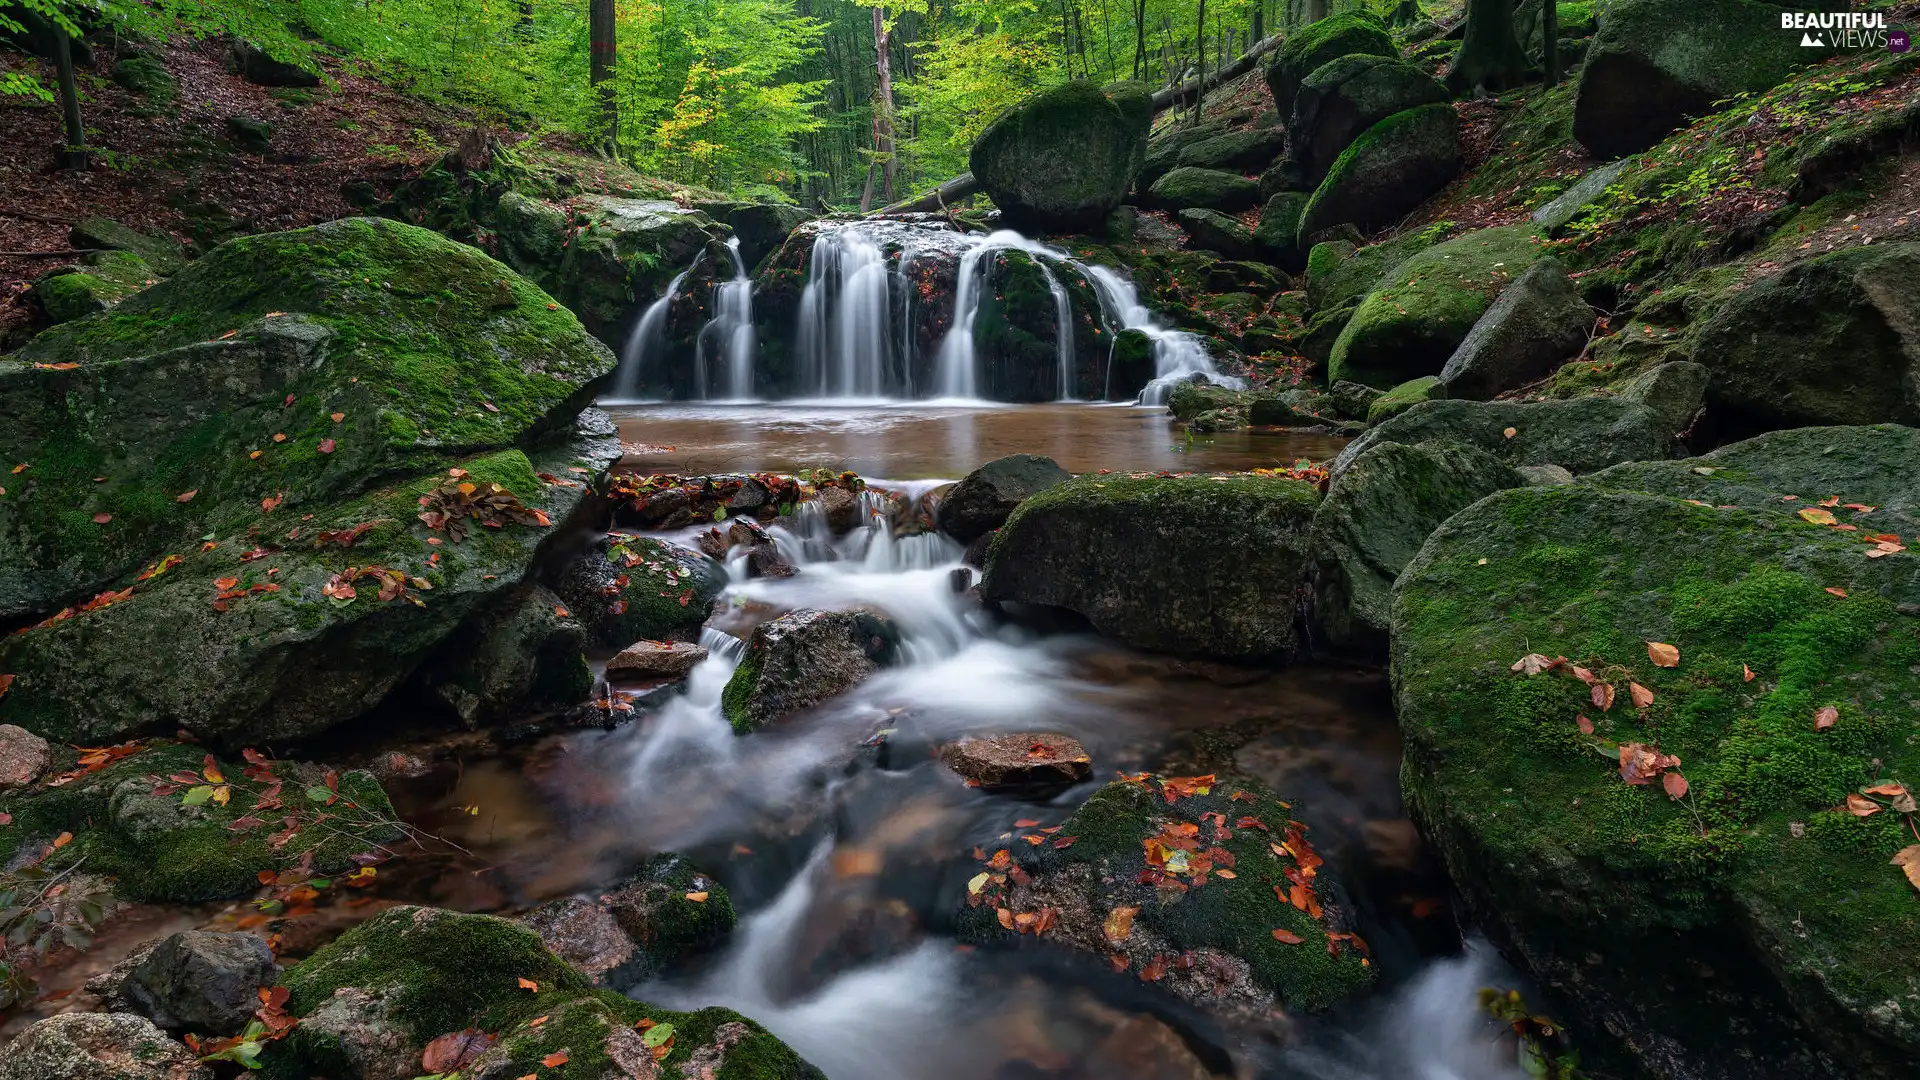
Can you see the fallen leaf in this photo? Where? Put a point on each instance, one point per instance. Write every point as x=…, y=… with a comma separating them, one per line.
x=1586, y=725
x=555, y=1059
x=698, y=897
x=63, y=840
x=279, y=436
x=561, y=611
x=1746, y=672
x=1510, y=432
x=1860, y=806
x=1006, y=918
x=1842, y=593
x=1288, y=937
x=1675, y=784
x=1119, y=924
x=454, y=1051
x=5, y=682
x=1602, y=696
x=1531, y=664
x=186, y=496
x=339, y=416
x=1908, y=860
x=1025, y=823
x=528, y=984
x=1642, y=697
x=255, y=456
x=1640, y=763
x=1825, y=717
x=326, y=446
x=1887, y=789
x=1662, y=654
x=1817, y=516
x=102, y=519
x=1584, y=675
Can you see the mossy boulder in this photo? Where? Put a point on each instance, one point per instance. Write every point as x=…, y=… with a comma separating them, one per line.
x=523, y=653
x=1164, y=148
x=629, y=588
x=1211, y=230
x=1736, y=860
x=257, y=66
x=1410, y=325
x=1140, y=883
x=158, y=849
x=1318, y=44
x=1654, y=65
x=371, y=1001
x=802, y=659
x=289, y=624
x=1340, y=272
x=1061, y=160
x=101, y=280
x=1249, y=149
x=147, y=76
x=1342, y=99
x=1161, y=563
x=1830, y=340
x=1189, y=399
x=762, y=227
x=158, y=250
x=1131, y=365
x=1535, y=325
x=1385, y=405
x=1373, y=521
x=981, y=501
x=224, y=381
x=1675, y=390
x=99, y=1046
x=1277, y=236
x=1583, y=435
x=1392, y=167
x=1208, y=189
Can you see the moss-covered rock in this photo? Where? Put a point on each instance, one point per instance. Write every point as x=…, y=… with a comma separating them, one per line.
x=981, y=501
x=1388, y=404
x=1214, y=231
x=99, y=1046
x=1161, y=563
x=1208, y=189
x=371, y=1001
x=1535, y=325
x=1062, y=159
x=1164, y=148
x=1582, y=435
x=1277, y=237
x=147, y=76
x=1247, y=149
x=1411, y=325
x=640, y=588
x=1339, y=272
x=1826, y=341
x=158, y=849
x=224, y=381
x=1674, y=390
x=1770, y=905
x=1373, y=521
x=1654, y=65
x=1190, y=399
x=158, y=250
x=1392, y=167
x=1342, y=99
x=658, y=909
x=103, y=279
x=801, y=659
x=1319, y=44
x=1139, y=883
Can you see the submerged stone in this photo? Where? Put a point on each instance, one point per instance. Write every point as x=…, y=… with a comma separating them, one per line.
x=1021, y=759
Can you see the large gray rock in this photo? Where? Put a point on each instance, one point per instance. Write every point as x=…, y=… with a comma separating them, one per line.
x=1207, y=189
x=1161, y=562
x=1277, y=236
x=1387, y=171
x=1674, y=390
x=521, y=654
x=202, y=981
x=1374, y=519
x=157, y=249
x=1210, y=230
x=1584, y=434
x=981, y=501
x=1584, y=193
x=762, y=227
x=23, y=756
x=1062, y=159
x=801, y=659
x=1318, y=44
x=1538, y=323
x=98, y=1046
x=1344, y=98
x=1252, y=148
x=1831, y=340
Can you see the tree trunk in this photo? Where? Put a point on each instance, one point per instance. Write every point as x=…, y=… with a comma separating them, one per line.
x=1259, y=29
x=866, y=195
x=882, y=105
x=1200, y=54
x=524, y=25
x=1166, y=98
x=601, y=56
x=1139, y=39
x=1550, y=40
x=1317, y=10
x=1490, y=57
x=74, y=154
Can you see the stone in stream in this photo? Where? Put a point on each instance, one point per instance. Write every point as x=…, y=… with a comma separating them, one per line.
x=202, y=981
x=520, y=655
x=98, y=1046
x=1020, y=759
x=981, y=501
x=657, y=659
x=1061, y=160
x=1773, y=912
x=1176, y=878
x=630, y=588
x=371, y=1001
x=763, y=555
x=802, y=659
x=672, y=911
x=23, y=756
x=1163, y=563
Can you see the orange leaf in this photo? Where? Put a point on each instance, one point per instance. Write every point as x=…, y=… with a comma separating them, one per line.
x=1826, y=717
x=279, y=436
x=186, y=496
x=1861, y=806
x=528, y=984
x=5, y=682
x=1887, y=789
x=1642, y=697
x=1908, y=860
x=1287, y=937
x=63, y=840
x=1663, y=655
x=1746, y=672
x=1603, y=696
x=1675, y=784
x=1841, y=593
x=1025, y=823
x=698, y=897
x=102, y=519
x=555, y=1059
x=561, y=611
x=339, y=416
x=1119, y=924
x=1816, y=516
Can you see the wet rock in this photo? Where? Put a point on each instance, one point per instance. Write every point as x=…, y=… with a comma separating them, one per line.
x=1160, y=563
x=671, y=911
x=604, y=1036
x=657, y=659
x=98, y=1046
x=763, y=227
x=520, y=655
x=1675, y=390
x=252, y=63
x=1391, y=168
x=1352, y=400
x=960, y=579
x=1582, y=434
x=637, y=588
x=1277, y=236
x=841, y=505
x=981, y=501
x=587, y=936
x=763, y=555
x=1020, y=759
x=1538, y=322
x=1210, y=230
x=1249, y=148
x=1062, y=159
x=201, y=981
x=23, y=756
x=1136, y=878
x=1208, y=189
x=976, y=553
x=801, y=659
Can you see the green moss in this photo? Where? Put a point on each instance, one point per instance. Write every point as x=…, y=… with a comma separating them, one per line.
x=1388, y=170
x=738, y=695
x=1401, y=398
x=1319, y=43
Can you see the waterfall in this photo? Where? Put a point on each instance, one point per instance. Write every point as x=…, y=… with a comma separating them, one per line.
x=647, y=336
x=1177, y=354
x=729, y=332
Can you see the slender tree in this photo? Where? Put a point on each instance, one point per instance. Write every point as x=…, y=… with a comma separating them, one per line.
x=74, y=154
x=1490, y=58
x=1550, y=40
x=601, y=57
x=883, y=101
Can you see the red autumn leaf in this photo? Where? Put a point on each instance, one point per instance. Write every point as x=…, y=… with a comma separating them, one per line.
x=339, y=416
x=1640, y=763
x=560, y=610
x=1064, y=842
x=1602, y=695
x=555, y=1059
x=1825, y=717
x=102, y=519
x=326, y=446
x=1675, y=784
x=1584, y=675
x=1746, y=673
x=1586, y=725
x=186, y=496
x=1842, y=593
x=1287, y=937
x=454, y=1051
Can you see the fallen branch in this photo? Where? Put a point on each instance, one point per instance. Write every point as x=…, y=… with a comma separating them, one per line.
x=936, y=200
x=46, y=254
x=24, y=216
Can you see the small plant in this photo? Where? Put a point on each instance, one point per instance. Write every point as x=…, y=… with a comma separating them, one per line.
x=40, y=909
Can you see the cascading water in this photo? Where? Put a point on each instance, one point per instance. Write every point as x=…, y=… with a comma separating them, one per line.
x=646, y=339
x=1177, y=355
x=729, y=333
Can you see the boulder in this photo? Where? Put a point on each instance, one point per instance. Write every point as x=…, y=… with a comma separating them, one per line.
x=1319, y=44
x=801, y=659
x=762, y=227
x=1207, y=189
x=1555, y=215
x=159, y=250
x=1654, y=65
x=1213, y=231
x=1373, y=521
x=1583, y=434
x=1160, y=563
x=1715, y=814
x=1538, y=323
x=1247, y=149
x=370, y=1001
x=201, y=981
x=1277, y=237
x=1411, y=325
x=981, y=501
x=630, y=588
x=1829, y=340
x=1340, y=272
x=251, y=134
x=98, y=1046
x=1387, y=171
x=1391, y=403
x=1675, y=390
x=1141, y=883
x=148, y=77
x=1342, y=99
x=23, y=756
x=1024, y=759
x=1164, y=149
x=657, y=660
x=1352, y=400
x=672, y=911
x=585, y=934
x=252, y=63
x=1061, y=160
x=519, y=655
x=1190, y=399
x=1131, y=365
x=100, y=280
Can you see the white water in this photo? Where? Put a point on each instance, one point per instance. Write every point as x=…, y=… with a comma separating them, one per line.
x=729, y=334
x=644, y=341
x=1177, y=354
